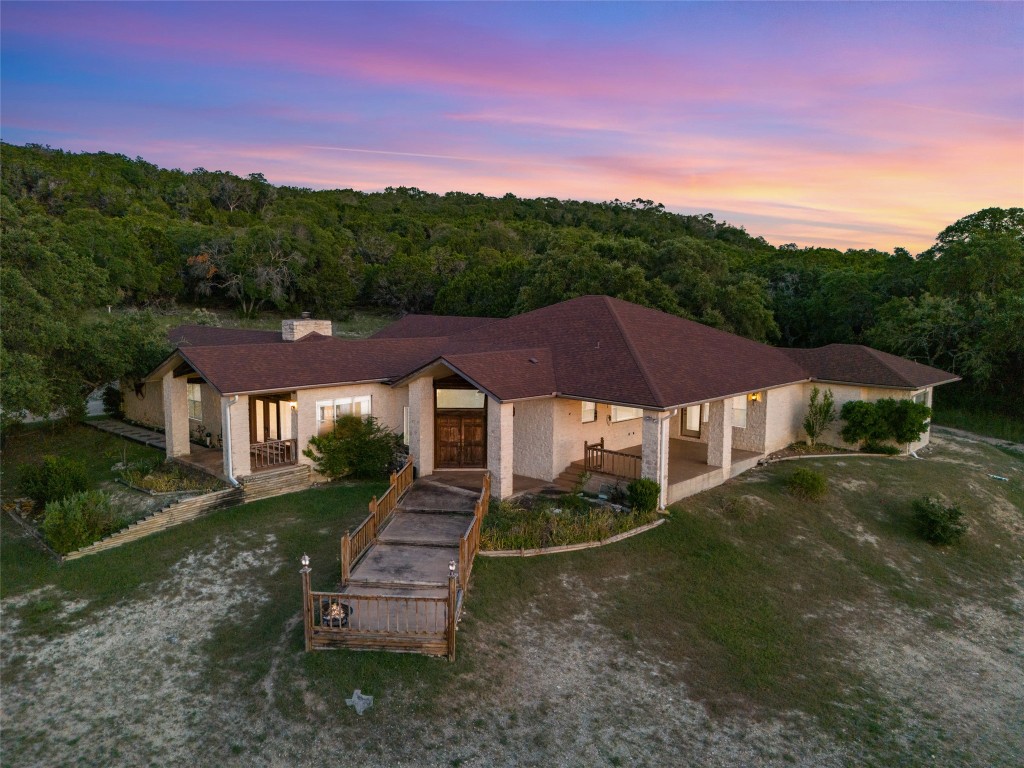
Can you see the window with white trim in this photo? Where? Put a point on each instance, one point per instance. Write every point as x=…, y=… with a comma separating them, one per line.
x=625, y=413
x=690, y=421
x=329, y=411
x=589, y=412
x=195, y=402
x=739, y=411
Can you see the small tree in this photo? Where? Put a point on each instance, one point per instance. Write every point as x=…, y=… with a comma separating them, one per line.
x=820, y=413
x=360, y=447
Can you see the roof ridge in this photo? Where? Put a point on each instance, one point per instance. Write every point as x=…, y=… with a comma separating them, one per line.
x=875, y=354
x=648, y=379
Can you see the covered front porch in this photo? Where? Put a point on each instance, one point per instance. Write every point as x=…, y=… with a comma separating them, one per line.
x=688, y=470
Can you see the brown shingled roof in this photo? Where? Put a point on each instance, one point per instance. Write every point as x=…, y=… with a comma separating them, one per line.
x=856, y=364
x=591, y=348
x=420, y=326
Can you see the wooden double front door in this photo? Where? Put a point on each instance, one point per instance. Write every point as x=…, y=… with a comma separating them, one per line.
x=461, y=440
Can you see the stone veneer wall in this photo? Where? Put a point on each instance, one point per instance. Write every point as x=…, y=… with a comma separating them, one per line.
x=149, y=409
x=533, y=438
x=293, y=330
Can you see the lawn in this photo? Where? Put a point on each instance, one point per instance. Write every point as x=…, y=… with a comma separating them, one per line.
x=751, y=628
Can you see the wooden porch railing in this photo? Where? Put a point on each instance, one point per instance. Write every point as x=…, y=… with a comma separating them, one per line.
x=355, y=543
x=380, y=622
x=596, y=458
x=273, y=453
x=469, y=544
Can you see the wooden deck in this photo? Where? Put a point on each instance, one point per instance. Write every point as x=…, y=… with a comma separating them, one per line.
x=399, y=591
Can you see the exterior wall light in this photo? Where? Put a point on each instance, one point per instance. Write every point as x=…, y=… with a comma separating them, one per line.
x=754, y=397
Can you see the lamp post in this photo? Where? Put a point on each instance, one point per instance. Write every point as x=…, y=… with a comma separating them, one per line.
x=307, y=603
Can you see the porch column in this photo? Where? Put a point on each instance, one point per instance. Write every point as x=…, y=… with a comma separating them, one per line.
x=654, y=450
x=500, y=447
x=421, y=424
x=235, y=426
x=175, y=390
x=720, y=434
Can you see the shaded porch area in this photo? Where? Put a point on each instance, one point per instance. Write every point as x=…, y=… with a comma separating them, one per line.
x=688, y=468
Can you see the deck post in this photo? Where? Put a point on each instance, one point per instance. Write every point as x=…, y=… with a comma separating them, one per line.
x=307, y=604
x=346, y=565
x=453, y=596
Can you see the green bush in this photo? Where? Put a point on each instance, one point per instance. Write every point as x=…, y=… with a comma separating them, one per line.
x=519, y=524
x=644, y=495
x=900, y=420
x=807, y=484
x=78, y=520
x=56, y=478
x=359, y=447
x=937, y=523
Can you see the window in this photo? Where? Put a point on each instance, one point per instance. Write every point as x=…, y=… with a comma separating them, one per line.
x=739, y=411
x=328, y=411
x=589, y=412
x=624, y=413
x=690, y=420
x=459, y=399
x=195, y=402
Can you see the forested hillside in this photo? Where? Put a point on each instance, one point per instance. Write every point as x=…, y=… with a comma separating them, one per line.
x=82, y=231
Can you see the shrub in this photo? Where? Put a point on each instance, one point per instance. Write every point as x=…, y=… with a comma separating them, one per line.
x=820, y=413
x=360, y=447
x=644, y=495
x=937, y=523
x=807, y=484
x=862, y=422
x=78, y=520
x=56, y=478
x=112, y=403
x=901, y=420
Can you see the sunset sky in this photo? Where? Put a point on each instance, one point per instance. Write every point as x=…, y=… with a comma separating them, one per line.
x=847, y=125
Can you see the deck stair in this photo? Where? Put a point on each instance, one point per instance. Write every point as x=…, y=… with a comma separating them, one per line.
x=570, y=477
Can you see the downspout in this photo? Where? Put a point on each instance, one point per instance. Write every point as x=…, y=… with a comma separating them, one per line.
x=228, y=469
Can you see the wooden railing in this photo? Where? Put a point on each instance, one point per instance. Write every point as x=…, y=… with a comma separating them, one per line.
x=355, y=543
x=380, y=622
x=596, y=458
x=469, y=544
x=273, y=453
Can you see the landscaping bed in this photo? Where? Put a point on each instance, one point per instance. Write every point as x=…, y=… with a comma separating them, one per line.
x=168, y=479
x=534, y=522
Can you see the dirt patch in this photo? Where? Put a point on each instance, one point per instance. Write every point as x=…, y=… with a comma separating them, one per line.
x=128, y=676
x=934, y=678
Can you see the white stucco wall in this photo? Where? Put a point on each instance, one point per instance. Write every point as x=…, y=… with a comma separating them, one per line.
x=570, y=433
x=386, y=405
x=785, y=408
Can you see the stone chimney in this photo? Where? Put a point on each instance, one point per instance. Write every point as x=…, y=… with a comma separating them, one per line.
x=293, y=330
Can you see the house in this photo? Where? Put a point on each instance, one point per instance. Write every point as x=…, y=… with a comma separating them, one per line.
x=633, y=391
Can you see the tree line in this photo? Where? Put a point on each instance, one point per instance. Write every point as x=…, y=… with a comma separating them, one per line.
x=85, y=231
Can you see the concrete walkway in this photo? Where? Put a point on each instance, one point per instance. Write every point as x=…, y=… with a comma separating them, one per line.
x=413, y=550
x=130, y=432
